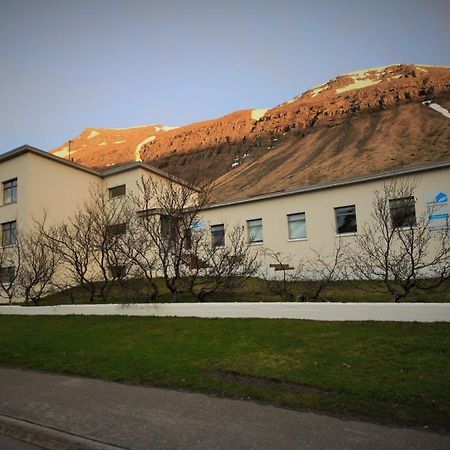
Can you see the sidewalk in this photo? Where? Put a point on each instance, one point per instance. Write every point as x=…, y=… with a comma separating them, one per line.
x=70, y=412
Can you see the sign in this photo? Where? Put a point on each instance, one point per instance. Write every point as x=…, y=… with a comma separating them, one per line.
x=200, y=225
x=437, y=211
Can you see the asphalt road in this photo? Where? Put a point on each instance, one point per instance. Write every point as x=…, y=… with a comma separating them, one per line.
x=8, y=443
x=136, y=417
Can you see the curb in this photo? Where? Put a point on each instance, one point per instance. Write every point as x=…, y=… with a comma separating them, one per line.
x=49, y=438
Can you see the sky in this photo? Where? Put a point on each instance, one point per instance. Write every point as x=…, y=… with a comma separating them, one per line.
x=69, y=65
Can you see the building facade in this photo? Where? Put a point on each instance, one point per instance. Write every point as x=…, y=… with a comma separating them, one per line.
x=294, y=223
x=299, y=221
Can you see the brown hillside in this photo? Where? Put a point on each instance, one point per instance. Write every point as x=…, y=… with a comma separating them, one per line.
x=102, y=147
x=358, y=122
x=402, y=135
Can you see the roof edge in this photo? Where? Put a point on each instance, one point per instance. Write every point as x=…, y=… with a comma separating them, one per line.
x=18, y=151
x=143, y=165
x=331, y=184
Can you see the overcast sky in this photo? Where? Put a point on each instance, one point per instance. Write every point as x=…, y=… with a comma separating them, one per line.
x=68, y=65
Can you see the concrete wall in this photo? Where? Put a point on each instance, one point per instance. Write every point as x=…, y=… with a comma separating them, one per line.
x=396, y=312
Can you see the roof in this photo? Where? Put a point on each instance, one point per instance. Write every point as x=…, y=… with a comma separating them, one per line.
x=139, y=164
x=332, y=184
x=100, y=173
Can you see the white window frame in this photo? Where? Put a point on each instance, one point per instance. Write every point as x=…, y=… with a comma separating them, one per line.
x=258, y=225
x=291, y=220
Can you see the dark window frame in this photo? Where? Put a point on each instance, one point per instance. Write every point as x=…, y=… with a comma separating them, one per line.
x=118, y=271
x=117, y=229
x=10, y=191
x=9, y=233
x=117, y=191
x=402, y=212
x=218, y=235
x=7, y=275
x=348, y=225
x=169, y=227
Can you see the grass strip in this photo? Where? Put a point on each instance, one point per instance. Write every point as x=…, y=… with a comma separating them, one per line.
x=389, y=372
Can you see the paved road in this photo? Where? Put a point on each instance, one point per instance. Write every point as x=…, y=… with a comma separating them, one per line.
x=142, y=418
x=8, y=443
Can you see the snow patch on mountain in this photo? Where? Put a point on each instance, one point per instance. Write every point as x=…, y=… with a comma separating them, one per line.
x=258, y=113
x=364, y=72
x=314, y=92
x=438, y=108
x=92, y=134
x=164, y=128
x=63, y=153
x=358, y=84
x=137, y=151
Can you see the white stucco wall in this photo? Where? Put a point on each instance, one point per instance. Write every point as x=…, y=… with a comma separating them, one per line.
x=395, y=312
x=318, y=206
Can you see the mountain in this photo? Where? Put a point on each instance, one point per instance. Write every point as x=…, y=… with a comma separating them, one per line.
x=102, y=147
x=354, y=124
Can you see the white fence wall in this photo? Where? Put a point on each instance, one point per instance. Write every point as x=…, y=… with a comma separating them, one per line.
x=399, y=312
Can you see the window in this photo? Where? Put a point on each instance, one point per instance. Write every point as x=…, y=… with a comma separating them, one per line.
x=297, y=226
x=218, y=235
x=7, y=275
x=117, y=229
x=8, y=233
x=169, y=227
x=117, y=191
x=117, y=272
x=188, y=239
x=345, y=219
x=10, y=191
x=255, y=230
x=403, y=212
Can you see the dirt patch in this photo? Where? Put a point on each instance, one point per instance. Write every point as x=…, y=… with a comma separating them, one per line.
x=249, y=380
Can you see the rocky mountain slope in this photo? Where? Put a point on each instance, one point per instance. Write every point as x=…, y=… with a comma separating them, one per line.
x=357, y=123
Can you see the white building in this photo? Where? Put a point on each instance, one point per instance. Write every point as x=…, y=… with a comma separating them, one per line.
x=295, y=221
x=34, y=181
x=292, y=222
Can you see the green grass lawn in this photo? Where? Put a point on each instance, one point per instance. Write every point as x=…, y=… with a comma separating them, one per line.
x=389, y=372
x=253, y=290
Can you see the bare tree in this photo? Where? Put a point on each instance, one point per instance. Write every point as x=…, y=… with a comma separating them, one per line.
x=169, y=211
x=309, y=277
x=398, y=248
x=38, y=267
x=281, y=277
x=86, y=243
x=186, y=255
x=213, y=269
x=10, y=264
x=136, y=253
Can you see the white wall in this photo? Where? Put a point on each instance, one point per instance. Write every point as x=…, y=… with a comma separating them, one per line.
x=318, y=206
x=396, y=312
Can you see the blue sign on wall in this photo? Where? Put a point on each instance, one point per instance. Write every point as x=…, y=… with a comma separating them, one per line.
x=441, y=198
